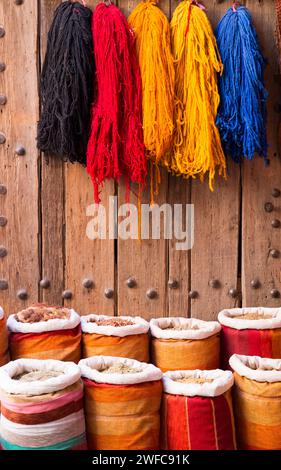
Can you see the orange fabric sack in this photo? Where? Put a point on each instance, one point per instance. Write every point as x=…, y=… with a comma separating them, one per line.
x=257, y=402
x=52, y=339
x=100, y=338
x=197, y=411
x=122, y=409
x=185, y=343
x=250, y=331
x=4, y=354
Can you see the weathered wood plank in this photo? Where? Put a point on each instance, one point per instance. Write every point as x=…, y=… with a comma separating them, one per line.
x=215, y=252
x=259, y=237
x=85, y=258
x=146, y=261
x=52, y=195
x=179, y=260
x=18, y=119
x=69, y=256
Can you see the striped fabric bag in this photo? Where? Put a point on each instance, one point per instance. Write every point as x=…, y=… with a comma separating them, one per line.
x=197, y=411
x=42, y=406
x=185, y=343
x=257, y=402
x=37, y=337
x=254, y=331
x=122, y=403
x=115, y=336
x=4, y=355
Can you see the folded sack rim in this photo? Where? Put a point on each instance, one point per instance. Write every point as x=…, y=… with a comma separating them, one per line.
x=205, y=328
x=71, y=374
x=90, y=370
x=230, y=318
x=15, y=326
x=222, y=381
x=141, y=326
x=240, y=364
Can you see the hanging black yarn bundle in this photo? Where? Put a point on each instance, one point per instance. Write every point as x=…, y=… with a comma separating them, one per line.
x=67, y=84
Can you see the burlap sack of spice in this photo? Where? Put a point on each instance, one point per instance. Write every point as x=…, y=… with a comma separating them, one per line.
x=197, y=411
x=122, y=403
x=122, y=336
x=253, y=331
x=185, y=343
x=44, y=332
x=257, y=402
x=42, y=406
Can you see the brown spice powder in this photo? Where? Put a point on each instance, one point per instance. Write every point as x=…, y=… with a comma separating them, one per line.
x=34, y=375
x=112, y=322
x=253, y=316
x=38, y=313
x=120, y=368
x=181, y=327
x=194, y=380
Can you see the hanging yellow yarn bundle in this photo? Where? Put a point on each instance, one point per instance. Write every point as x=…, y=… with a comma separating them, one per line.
x=153, y=46
x=197, y=146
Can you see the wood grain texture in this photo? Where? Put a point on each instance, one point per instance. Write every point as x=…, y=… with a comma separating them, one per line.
x=179, y=260
x=215, y=252
x=147, y=260
x=18, y=119
x=259, y=237
x=85, y=258
x=50, y=209
x=52, y=194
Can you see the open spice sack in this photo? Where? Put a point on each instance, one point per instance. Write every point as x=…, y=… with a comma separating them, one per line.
x=4, y=355
x=122, y=336
x=254, y=331
x=185, y=343
x=122, y=403
x=257, y=402
x=42, y=406
x=197, y=411
x=44, y=332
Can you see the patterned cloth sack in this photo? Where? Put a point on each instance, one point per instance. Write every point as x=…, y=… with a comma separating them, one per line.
x=254, y=331
x=4, y=355
x=115, y=336
x=122, y=403
x=185, y=343
x=257, y=402
x=197, y=411
x=41, y=406
x=43, y=332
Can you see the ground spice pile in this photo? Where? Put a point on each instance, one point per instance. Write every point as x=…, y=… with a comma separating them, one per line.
x=112, y=322
x=193, y=380
x=253, y=316
x=120, y=368
x=37, y=375
x=41, y=312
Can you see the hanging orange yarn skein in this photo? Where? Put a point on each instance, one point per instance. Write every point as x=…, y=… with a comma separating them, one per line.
x=153, y=46
x=197, y=146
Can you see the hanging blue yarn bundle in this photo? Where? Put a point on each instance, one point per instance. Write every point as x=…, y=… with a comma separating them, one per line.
x=242, y=111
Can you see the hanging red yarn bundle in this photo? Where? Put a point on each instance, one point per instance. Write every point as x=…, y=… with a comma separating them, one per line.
x=116, y=147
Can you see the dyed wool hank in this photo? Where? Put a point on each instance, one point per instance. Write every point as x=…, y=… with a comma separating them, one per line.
x=242, y=112
x=197, y=146
x=115, y=147
x=67, y=84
